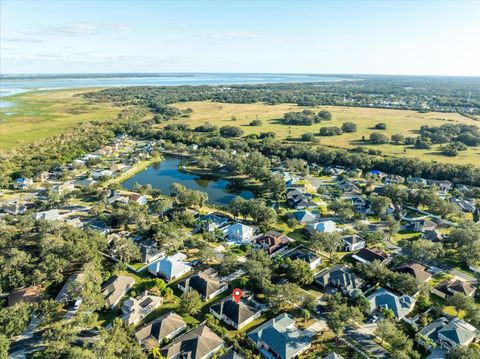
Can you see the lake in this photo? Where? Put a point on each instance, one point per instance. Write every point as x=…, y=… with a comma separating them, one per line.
x=161, y=175
x=14, y=84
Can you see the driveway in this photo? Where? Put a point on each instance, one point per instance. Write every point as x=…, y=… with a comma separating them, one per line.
x=364, y=337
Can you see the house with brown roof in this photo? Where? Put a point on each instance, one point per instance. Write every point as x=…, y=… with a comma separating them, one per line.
x=271, y=242
x=32, y=294
x=199, y=343
x=206, y=283
x=415, y=270
x=448, y=287
x=368, y=255
x=163, y=328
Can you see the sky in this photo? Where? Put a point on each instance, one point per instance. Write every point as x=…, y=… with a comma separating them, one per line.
x=341, y=37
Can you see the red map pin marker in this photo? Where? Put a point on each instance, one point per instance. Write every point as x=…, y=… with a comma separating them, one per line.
x=237, y=294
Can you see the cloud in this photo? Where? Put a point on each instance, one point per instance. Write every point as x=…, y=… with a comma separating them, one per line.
x=236, y=35
x=20, y=39
x=80, y=29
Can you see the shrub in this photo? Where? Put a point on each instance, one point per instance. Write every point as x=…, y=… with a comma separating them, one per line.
x=256, y=123
x=378, y=138
x=349, y=127
x=330, y=131
x=307, y=137
x=231, y=131
x=381, y=126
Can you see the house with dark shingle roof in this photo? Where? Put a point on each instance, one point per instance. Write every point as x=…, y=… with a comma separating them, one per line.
x=166, y=327
x=448, y=287
x=340, y=276
x=368, y=255
x=236, y=314
x=279, y=337
x=115, y=288
x=307, y=256
x=415, y=270
x=384, y=299
x=199, y=343
x=206, y=283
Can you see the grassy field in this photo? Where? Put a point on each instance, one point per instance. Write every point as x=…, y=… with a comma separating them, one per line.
x=41, y=114
x=398, y=122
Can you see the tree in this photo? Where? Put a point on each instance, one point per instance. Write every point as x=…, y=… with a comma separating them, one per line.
x=384, y=330
x=299, y=272
x=188, y=197
x=278, y=296
x=470, y=254
x=231, y=131
x=378, y=138
x=14, y=319
x=470, y=352
x=206, y=254
x=342, y=315
x=308, y=137
x=380, y=204
x=424, y=250
x=229, y=263
x=4, y=346
x=256, y=123
x=328, y=242
x=125, y=249
x=402, y=346
x=465, y=233
x=190, y=302
x=349, y=127
x=117, y=342
x=324, y=115
x=381, y=126
x=398, y=138
x=306, y=314
x=460, y=302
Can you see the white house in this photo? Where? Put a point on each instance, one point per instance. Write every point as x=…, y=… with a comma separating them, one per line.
x=135, y=309
x=171, y=267
x=353, y=243
x=239, y=232
x=50, y=215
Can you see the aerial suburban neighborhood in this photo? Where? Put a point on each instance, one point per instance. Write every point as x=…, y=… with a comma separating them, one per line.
x=338, y=262
x=267, y=179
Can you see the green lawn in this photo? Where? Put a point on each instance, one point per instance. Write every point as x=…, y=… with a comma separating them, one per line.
x=41, y=114
x=398, y=121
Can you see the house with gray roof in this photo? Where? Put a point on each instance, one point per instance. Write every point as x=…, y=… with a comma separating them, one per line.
x=199, y=343
x=304, y=216
x=339, y=276
x=163, y=328
x=115, y=288
x=333, y=355
x=447, y=334
x=236, y=314
x=384, y=299
x=280, y=338
x=206, y=283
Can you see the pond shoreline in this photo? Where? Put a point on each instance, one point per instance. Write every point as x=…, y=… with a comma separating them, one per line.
x=161, y=174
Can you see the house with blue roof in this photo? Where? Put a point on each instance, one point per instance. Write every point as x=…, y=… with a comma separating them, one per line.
x=384, y=299
x=280, y=338
x=22, y=183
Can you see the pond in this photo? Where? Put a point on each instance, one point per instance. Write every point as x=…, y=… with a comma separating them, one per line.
x=161, y=175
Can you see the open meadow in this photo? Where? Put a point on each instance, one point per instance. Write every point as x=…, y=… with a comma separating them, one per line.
x=40, y=114
x=402, y=122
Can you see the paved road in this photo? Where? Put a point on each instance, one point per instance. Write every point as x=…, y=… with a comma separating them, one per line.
x=363, y=337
